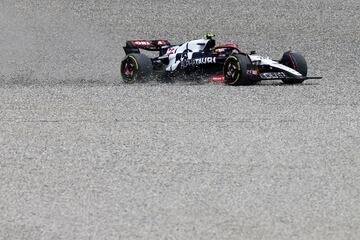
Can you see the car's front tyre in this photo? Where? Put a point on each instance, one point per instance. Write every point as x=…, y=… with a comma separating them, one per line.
x=295, y=61
x=235, y=70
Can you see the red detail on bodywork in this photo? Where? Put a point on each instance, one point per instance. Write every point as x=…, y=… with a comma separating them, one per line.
x=170, y=51
x=163, y=43
x=149, y=43
x=141, y=43
x=230, y=45
x=217, y=78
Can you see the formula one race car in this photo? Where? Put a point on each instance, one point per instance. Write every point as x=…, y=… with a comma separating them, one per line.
x=223, y=63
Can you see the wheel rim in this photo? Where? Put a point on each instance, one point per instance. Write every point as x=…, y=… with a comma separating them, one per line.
x=129, y=69
x=232, y=70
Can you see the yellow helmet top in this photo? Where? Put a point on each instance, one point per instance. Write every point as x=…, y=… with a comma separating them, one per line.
x=209, y=35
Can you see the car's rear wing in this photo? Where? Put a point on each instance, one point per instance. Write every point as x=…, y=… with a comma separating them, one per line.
x=134, y=46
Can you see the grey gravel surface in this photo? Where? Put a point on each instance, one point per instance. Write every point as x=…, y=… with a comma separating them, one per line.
x=83, y=156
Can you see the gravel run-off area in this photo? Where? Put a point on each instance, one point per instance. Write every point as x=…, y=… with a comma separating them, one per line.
x=85, y=156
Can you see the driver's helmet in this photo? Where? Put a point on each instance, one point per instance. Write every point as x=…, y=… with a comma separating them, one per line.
x=209, y=35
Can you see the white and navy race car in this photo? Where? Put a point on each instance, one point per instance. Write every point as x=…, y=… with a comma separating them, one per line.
x=222, y=63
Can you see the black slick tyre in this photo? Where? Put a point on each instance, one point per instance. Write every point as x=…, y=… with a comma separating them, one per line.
x=136, y=67
x=295, y=61
x=235, y=70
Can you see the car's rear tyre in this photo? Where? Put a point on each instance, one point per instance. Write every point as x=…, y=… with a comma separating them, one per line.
x=136, y=67
x=295, y=61
x=235, y=70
